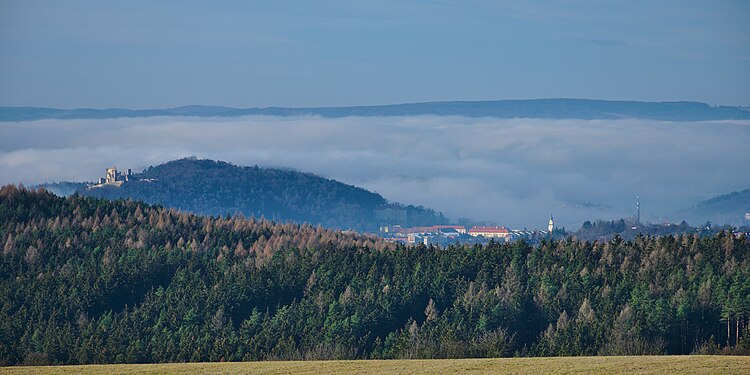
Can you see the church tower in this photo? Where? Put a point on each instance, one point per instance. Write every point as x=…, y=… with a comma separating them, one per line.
x=551, y=225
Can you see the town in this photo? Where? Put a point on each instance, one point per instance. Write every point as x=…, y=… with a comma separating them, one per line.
x=448, y=234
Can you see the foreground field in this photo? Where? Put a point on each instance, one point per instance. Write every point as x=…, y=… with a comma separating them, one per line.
x=562, y=365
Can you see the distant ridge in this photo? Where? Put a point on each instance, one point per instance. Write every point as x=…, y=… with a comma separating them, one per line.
x=724, y=209
x=533, y=108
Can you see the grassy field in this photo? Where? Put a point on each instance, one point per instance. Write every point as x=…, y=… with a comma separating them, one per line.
x=564, y=365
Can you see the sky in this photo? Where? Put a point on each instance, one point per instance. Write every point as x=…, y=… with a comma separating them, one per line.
x=513, y=172
x=155, y=54
x=159, y=54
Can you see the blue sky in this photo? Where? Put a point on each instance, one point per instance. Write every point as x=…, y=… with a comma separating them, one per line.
x=147, y=54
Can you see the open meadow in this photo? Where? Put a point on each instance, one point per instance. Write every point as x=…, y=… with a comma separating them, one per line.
x=557, y=365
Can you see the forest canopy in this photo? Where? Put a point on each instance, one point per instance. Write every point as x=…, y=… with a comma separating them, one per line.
x=87, y=280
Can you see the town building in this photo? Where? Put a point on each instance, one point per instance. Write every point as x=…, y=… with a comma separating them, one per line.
x=490, y=231
x=460, y=229
x=521, y=234
x=449, y=232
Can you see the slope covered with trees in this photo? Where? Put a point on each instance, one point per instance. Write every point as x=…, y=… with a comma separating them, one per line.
x=629, y=229
x=218, y=188
x=84, y=280
x=727, y=208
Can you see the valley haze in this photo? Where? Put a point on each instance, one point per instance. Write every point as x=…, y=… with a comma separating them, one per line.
x=583, y=160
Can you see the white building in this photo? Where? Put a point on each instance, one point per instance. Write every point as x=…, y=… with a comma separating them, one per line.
x=551, y=224
x=489, y=231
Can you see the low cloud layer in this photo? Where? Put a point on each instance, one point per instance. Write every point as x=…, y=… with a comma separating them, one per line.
x=512, y=172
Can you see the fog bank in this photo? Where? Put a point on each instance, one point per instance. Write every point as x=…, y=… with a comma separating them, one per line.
x=512, y=172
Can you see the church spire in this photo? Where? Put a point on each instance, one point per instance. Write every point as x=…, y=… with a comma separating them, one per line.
x=551, y=225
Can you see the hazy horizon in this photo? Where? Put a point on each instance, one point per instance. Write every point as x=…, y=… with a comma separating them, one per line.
x=378, y=104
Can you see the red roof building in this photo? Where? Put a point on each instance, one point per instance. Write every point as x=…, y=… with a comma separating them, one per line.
x=489, y=231
x=459, y=228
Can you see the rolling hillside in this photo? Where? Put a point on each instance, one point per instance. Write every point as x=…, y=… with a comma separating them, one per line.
x=724, y=209
x=87, y=281
x=217, y=188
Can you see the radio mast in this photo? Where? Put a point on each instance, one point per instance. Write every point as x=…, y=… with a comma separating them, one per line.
x=638, y=210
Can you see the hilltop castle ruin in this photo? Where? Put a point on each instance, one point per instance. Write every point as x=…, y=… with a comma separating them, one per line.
x=114, y=177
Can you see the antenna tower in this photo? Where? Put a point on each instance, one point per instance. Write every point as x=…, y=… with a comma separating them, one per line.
x=638, y=207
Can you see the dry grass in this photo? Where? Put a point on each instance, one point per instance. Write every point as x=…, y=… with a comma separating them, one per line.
x=587, y=365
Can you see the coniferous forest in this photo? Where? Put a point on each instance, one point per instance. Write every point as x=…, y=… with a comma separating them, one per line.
x=85, y=280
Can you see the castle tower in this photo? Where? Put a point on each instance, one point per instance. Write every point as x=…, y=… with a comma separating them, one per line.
x=551, y=225
x=111, y=175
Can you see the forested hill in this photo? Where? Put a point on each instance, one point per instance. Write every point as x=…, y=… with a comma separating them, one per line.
x=96, y=281
x=532, y=108
x=218, y=188
x=727, y=208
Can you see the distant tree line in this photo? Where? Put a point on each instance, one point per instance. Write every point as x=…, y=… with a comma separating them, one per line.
x=629, y=229
x=85, y=280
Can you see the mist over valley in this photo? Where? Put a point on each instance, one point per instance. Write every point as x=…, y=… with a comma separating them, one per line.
x=513, y=172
